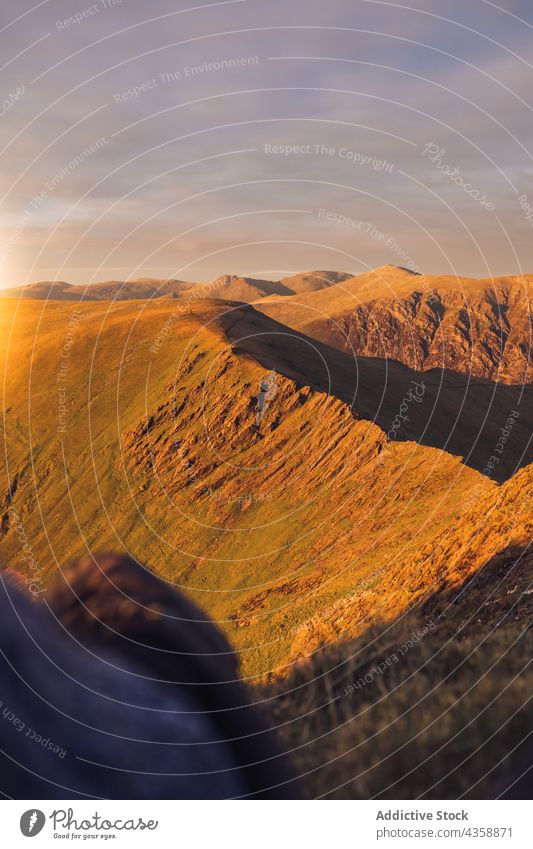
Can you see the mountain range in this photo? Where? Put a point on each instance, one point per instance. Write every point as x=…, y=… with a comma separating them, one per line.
x=389, y=480
x=482, y=328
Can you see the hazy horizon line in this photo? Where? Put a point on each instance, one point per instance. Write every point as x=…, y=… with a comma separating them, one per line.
x=260, y=275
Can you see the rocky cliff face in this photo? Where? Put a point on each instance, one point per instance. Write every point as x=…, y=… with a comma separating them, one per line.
x=485, y=332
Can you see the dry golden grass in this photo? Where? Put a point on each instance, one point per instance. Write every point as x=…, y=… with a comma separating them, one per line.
x=445, y=721
x=314, y=526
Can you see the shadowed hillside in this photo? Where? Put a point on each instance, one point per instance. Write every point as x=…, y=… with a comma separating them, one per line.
x=434, y=705
x=477, y=327
x=140, y=434
x=442, y=408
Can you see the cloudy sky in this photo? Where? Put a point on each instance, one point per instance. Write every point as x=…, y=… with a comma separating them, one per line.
x=182, y=139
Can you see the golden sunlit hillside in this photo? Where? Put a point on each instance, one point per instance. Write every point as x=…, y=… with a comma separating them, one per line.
x=133, y=425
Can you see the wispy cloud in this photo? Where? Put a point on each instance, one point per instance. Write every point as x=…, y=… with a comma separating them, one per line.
x=187, y=99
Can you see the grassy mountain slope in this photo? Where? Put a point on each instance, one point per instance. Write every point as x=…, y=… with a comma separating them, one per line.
x=435, y=702
x=412, y=709
x=315, y=515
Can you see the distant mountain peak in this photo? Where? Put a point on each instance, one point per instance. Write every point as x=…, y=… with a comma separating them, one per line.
x=389, y=268
x=226, y=279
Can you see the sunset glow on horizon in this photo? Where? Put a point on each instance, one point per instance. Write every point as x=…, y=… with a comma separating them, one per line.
x=239, y=136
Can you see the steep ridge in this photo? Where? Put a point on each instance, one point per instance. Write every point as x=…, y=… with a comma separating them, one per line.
x=440, y=408
x=476, y=327
x=158, y=453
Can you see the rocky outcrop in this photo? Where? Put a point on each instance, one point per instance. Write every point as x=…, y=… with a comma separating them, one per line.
x=485, y=333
